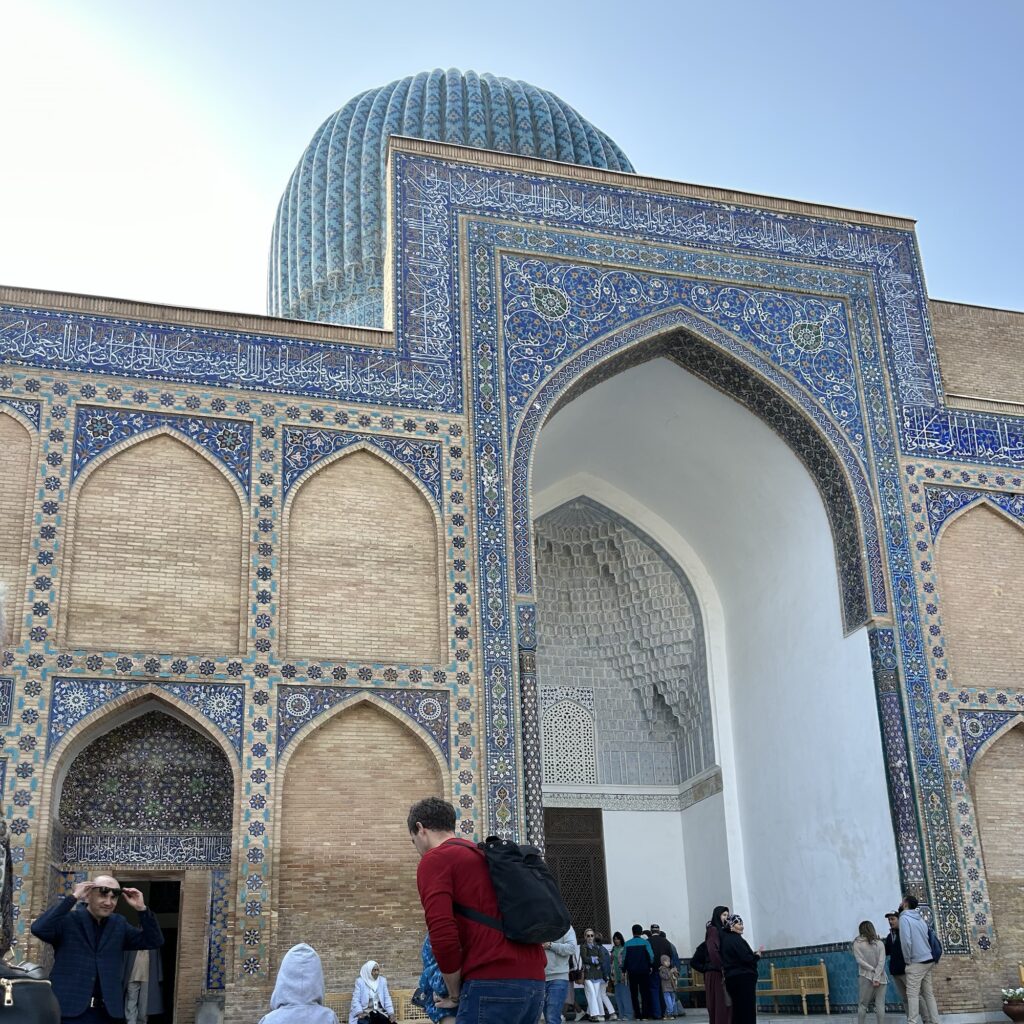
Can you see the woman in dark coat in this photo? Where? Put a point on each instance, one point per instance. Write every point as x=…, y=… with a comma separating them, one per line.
x=739, y=964
x=719, y=1010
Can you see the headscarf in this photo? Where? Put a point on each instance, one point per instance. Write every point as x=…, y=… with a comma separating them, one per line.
x=716, y=918
x=366, y=973
x=734, y=919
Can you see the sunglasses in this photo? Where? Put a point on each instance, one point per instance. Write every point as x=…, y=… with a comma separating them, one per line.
x=105, y=890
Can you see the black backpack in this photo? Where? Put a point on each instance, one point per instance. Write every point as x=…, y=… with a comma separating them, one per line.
x=531, y=907
x=701, y=959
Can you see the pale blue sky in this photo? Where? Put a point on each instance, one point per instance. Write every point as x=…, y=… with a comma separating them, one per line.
x=146, y=145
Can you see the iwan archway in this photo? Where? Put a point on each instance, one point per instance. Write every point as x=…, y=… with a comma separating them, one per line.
x=697, y=479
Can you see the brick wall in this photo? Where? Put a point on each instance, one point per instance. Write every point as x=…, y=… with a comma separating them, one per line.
x=981, y=351
x=347, y=870
x=980, y=558
x=362, y=578
x=997, y=781
x=193, y=944
x=15, y=472
x=156, y=555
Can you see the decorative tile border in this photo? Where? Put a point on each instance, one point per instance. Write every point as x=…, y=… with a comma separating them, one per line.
x=28, y=409
x=6, y=694
x=100, y=428
x=153, y=849
x=220, y=907
x=304, y=448
x=73, y=699
x=944, y=502
x=300, y=705
x=978, y=727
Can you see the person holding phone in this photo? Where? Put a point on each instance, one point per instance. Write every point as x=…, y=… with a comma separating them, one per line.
x=89, y=941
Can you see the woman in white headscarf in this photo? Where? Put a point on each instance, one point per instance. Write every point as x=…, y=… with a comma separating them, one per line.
x=370, y=996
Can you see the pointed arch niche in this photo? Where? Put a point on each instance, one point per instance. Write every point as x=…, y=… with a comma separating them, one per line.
x=997, y=781
x=363, y=564
x=980, y=562
x=156, y=557
x=17, y=447
x=343, y=842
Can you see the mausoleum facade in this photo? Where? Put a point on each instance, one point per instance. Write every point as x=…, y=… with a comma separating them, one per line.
x=676, y=527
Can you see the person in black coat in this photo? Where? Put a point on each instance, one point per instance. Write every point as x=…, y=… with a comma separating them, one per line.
x=893, y=949
x=739, y=965
x=89, y=942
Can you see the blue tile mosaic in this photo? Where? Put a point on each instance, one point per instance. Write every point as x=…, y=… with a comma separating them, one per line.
x=28, y=409
x=978, y=727
x=100, y=428
x=220, y=904
x=944, y=502
x=73, y=699
x=6, y=695
x=303, y=448
x=299, y=705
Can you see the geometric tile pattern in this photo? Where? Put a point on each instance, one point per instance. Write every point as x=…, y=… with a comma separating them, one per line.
x=299, y=705
x=30, y=410
x=98, y=429
x=304, y=448
x=977, y=727
x=220, y=902
x=943, y=502
x=73, y=699
x=6, y=693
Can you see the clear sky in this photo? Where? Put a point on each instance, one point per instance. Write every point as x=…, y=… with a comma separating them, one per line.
x=145, y=145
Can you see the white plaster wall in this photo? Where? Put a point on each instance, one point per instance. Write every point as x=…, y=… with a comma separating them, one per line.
x=797, y=726
x=643, y=853
x=707, y=868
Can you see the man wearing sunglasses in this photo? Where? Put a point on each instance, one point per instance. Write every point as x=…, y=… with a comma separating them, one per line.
x=89, y=941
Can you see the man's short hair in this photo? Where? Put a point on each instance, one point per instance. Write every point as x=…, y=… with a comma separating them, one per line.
x=637, y=930
x=911, y=902
x=434, y=813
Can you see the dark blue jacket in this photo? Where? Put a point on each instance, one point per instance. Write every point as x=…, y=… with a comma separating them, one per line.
x=77, y=959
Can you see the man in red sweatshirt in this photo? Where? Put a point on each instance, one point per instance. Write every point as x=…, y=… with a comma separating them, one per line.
x=490, y=979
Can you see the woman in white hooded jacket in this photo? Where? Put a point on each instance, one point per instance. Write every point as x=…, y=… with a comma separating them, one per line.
x=370, y=993
x=299, y=991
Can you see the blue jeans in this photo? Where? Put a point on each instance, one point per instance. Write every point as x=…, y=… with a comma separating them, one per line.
x=555, y=994
x=500, y=1002
x=622, y=1001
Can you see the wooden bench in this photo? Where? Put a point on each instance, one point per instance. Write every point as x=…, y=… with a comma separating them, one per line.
x=690, y=982
x=1020, y=971
x=808, y=980
x=405, y=1008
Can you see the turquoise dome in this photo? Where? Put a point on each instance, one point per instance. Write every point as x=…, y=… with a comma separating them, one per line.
x=327, y=249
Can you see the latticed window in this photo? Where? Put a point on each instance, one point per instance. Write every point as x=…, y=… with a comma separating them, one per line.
x=574, y=851
x=567, y=739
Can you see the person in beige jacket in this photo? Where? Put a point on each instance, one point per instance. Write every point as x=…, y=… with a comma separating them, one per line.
x=869, y=952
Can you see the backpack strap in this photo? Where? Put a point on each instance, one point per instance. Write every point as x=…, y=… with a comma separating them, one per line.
x=480, y=918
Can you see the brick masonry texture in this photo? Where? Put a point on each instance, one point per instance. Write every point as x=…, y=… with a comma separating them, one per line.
x=981, y=351
x=156, y=560
x=996, y=782
x=16, y=458
x=981, y=565
x=361, y=576
x=347, y=868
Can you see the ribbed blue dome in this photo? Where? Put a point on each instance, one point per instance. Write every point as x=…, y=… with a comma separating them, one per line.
x=327, y=249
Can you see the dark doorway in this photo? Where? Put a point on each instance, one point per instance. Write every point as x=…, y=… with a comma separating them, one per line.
x=574, y=849
x=163, y=897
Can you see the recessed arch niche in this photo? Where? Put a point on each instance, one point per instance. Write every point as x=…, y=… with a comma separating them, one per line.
x=344, y=843
x=362, y=572
x=155, y=560
x=980, y=561
x=16, y=450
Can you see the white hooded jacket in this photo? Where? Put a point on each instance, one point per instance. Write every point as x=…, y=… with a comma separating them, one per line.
x=299, y=992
